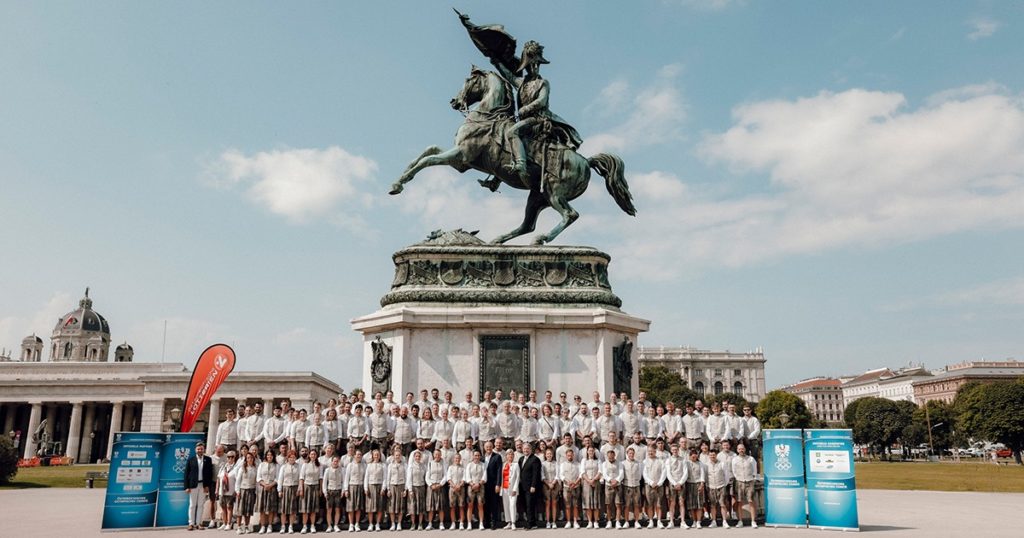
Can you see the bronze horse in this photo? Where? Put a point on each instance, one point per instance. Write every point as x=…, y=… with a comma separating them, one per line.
x=556, y=173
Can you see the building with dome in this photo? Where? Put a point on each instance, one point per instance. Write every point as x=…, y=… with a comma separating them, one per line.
x=77, y=399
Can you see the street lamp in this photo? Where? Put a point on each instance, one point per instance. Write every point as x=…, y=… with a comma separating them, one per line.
x=783, y=419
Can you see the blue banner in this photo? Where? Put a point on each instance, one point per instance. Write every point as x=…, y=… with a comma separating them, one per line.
x=134, y=481
x=831, y=488
x=785, y=500
x=172, y=503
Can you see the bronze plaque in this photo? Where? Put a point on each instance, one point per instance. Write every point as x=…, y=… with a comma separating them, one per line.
x=504, y=363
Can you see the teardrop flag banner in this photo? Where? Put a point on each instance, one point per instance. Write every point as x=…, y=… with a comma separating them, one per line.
x=212, y=368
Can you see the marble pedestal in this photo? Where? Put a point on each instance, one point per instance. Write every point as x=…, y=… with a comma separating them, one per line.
x=467, y=317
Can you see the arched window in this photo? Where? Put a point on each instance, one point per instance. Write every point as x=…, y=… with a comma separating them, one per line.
x=698, y=387
x=737, y=388
x=719, y=388
x=67, y=350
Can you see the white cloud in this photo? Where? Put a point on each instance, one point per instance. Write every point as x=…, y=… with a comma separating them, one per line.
x=440, y=197
x=856, y=168
x=14, y=328
x=1008, y=291
x=654, y=114
x=299, y=184
x=982, y=27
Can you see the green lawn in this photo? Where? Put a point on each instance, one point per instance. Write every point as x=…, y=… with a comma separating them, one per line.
x=941, y=476
x=63, y=476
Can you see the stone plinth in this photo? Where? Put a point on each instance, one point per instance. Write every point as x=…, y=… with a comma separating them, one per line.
x=462, y=315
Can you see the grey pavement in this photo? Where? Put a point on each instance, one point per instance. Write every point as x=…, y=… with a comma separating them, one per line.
x=77, y=513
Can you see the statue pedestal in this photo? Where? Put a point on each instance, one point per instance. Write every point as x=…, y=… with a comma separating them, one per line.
x=468, y=317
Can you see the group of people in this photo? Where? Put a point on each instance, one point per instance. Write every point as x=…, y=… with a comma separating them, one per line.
x=503, y=462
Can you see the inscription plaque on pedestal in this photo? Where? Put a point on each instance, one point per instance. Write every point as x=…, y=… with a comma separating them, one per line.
x=504, y=363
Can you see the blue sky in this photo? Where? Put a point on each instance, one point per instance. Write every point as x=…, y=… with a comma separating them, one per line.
x=840, y=183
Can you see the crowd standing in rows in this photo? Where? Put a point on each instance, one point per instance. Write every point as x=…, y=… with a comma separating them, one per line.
x=505, y=462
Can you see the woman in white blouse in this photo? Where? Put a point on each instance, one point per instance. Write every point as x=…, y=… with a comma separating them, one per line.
x=509, y=488
x=245, y=503
x=266, y=498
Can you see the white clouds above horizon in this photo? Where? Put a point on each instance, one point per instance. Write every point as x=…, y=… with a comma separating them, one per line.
x=982, y=27
x=298, y=184
x=855, y=168
x=41, y=322
x=652, y=114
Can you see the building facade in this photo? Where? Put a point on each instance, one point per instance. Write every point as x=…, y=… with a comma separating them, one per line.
x=823, y=397
x=712, y=372
x=895, y=385
x=76, y=401
x=944, y=385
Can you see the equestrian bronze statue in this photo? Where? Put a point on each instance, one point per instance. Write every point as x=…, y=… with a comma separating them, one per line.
x=511, y=134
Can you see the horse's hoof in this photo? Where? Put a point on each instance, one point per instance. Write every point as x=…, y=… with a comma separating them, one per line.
x=396, y=188
x=540, y=240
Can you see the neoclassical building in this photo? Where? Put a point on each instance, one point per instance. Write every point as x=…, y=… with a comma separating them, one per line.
x=81, y=399
x=712, y=372
x=823, y=397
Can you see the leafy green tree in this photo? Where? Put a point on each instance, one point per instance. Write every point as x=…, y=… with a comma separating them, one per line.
x=967, y=406
x=943, y=421
x=850, y=413
x=880, y=422
x=663, y=385
x=8, y=460
x=775, y=403
x=1003, y=417
x=730, y=397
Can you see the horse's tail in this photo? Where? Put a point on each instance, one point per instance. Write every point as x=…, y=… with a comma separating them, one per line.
x=613, y=170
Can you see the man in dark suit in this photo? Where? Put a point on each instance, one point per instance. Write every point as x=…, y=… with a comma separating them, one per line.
x=198, y=485
x=492, y=486
x=530, y=484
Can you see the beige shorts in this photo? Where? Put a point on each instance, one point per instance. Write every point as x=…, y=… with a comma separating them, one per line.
x=744, y=491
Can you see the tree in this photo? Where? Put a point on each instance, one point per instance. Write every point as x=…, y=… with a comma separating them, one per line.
x=663, y=385
x=732, y=398
x=880, y=422
x=967, y=406
x=1003, y=419
x=775, y=403
x=850, y=413
x=8, y=460
x=943, y=421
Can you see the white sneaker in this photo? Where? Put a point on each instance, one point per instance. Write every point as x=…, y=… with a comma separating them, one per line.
x=753, y=524
x=575, y=524
x=725, y=524
x=312, y=529
x=481, y=525
x=430, y=526
x=696, y=525
x=305, y=530
x=263, y=530
x=713, y=524
x=671, y=524
x=513, y=526
x=609, y=525
x=637, y=524
x=621, y=525
x=283, y=530
x=291, y=530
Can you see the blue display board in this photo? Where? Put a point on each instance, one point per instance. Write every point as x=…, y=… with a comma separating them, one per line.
x=147, y=480
x=785, y=499
x=133, y=486
x=831, y=489
x=172, y=503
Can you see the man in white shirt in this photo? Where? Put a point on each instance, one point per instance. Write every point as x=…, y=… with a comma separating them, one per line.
x=718, y=477
x=693, y=428
x=752, y=429
x=611, y=477
x=275, y=429
x=716, y=428
x=744, y=470
x=227, y=431
x=630, y=420
x=654, y=480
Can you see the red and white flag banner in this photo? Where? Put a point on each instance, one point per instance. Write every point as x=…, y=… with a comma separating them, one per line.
x=212, y=368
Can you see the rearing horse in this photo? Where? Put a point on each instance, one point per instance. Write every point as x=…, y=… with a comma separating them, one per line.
x=556, y=173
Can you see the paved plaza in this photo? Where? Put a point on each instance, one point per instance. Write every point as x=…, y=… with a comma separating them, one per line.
x=77, y=513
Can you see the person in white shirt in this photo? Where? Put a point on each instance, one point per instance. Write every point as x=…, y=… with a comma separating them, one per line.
x=476, y=480
x=309, y=490
x=716, y=427
x=693, y=428
x=737, y=428
x=744, y=470
x=562, y=452
x=676, y=474
x=358, y=429
x=631, y=421
x=718, y=476
x=549, y=477
x=455, y=476
x=274, y=429
x=352, y=489
x=394, y=486
x=333, y=486
x=632, y=475
x=570, y=477
x=608, y=425
x=611, y=477
x=288, y=477
x=528, y=430
x=316, y=434
x=510, y=488
x=245, y=480
x=227, y=431
x=590, y=473
x=752, y=428
x=652, y=426
x=549, y=427
x=373, y=487
x=638, y=446
x=297, y=431
x=436, y=477
x=267, y=499
x=654, y=480
x=695, y=478
x=226, y=481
